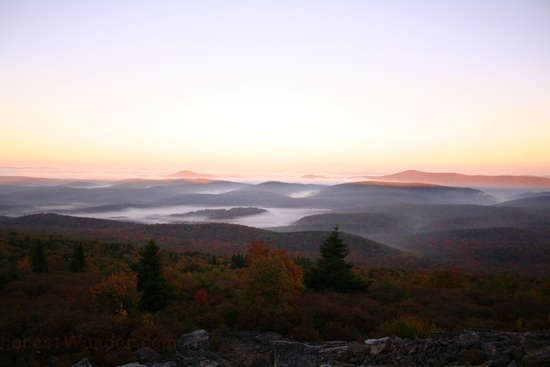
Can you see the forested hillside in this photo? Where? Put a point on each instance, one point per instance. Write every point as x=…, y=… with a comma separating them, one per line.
x=59, y=307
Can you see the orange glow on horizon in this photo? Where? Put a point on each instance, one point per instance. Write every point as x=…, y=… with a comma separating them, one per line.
x=356, y=87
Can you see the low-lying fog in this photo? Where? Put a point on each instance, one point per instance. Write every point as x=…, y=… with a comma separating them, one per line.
x=274, y=217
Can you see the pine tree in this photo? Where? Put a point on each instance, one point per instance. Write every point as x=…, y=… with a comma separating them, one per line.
x=38, y=259
x=238, y=261
x=332, y=273
x=156, y=291
x=77, y=262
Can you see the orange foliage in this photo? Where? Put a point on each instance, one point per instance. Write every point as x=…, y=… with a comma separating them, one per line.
x=201, y=299
x=117, y=293
x=269, y=283
x=24, y=266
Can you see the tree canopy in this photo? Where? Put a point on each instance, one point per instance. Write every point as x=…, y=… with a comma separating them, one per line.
x=77, y=261
x=156, y=291
x=270, y=281
x=332, y=273
x=38, y=259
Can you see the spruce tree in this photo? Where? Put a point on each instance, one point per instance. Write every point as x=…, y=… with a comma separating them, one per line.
x=77, y=262
x=38, y=259
x=332, y=273
x=156, y=291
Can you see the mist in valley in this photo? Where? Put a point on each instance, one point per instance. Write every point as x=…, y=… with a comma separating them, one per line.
x=273, y=217
x=383, y=210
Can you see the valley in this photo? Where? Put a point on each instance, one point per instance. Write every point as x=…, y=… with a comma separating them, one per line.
x=420, y=223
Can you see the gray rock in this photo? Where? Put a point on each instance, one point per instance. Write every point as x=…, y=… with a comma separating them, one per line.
x=195, y=340
x=377, y=341
x=291, y=354
x=476, y=347
x=147, y=356
x=537, y=358
x=357, y=352
x=165, y=364
x=82, y=363
x=268, y=338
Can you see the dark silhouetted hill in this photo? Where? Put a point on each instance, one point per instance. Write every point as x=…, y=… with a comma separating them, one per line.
x=218, y=214
x=500, y=249
x=65, y=221
x=387, y=223
x=540, y=202
x=220, y=238
x=367, y=193
x=282, y=188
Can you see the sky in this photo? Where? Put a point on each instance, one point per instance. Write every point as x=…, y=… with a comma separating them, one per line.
x=321, y=87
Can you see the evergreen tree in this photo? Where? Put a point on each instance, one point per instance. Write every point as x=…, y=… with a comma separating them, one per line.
x=238, y=261
x=77, y=262
x=332, y=273
x=156, y=291
x=38, y=259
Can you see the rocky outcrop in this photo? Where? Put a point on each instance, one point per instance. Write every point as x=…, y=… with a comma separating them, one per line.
x=473, y=347
x=289, y=354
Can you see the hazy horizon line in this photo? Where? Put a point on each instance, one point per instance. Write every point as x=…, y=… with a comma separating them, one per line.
x=51, y=172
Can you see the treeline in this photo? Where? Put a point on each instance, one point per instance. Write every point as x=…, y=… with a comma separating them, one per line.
x=64, y=299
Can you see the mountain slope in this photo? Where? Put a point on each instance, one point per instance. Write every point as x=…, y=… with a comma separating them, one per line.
x=498, y=249
x=387, y=223
x=64, y=221
x=456, y=179
x=541, y=202
x=212, y=237
x=366, y=193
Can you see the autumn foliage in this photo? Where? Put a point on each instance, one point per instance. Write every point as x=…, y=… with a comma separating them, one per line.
x=201, y=299
x=261, y=289
x=117, y=294
x=269, y=283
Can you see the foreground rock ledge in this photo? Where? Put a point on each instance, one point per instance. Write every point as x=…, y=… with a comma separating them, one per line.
x=473, y=347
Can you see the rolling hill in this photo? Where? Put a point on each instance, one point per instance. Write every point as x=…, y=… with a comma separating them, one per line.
x=217, y=238
x=387, y=223
x=368, y=193
x=455, y=179
x=410, y=216
x=539, y=202
x=500, y=249
x=492, y=249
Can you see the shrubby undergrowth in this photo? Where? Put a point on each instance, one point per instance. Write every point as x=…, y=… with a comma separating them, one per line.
x=96, y=311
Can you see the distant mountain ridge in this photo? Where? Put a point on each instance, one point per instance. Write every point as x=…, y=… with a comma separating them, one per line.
x=312, y=176
x=377, y=192
x=5, y=180
x=457, y=179
x=191, y=174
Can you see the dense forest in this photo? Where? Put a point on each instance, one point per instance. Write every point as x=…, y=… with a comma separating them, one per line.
x=66, y=297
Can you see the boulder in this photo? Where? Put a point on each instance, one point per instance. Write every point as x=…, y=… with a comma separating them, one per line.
x=82, y=363
x=195, y=340
x=147, y=356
